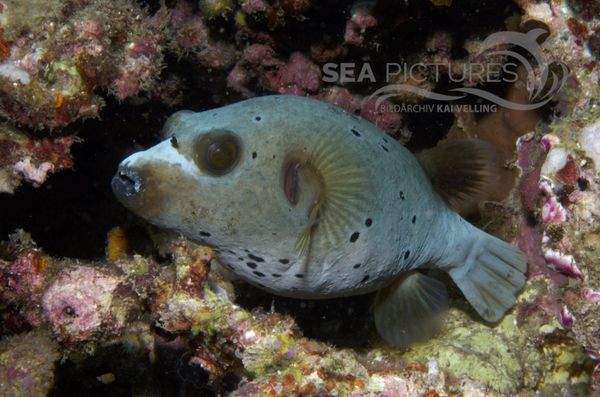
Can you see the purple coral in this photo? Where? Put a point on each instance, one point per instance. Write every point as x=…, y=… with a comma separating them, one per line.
x=590, y=294
x=553, y=211
x=562, y=263
x=566, y=318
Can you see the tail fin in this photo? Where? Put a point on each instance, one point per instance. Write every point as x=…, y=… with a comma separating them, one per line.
x=491, y=277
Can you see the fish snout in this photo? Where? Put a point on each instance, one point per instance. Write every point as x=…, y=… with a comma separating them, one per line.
x=145, y=187
x=126, y=183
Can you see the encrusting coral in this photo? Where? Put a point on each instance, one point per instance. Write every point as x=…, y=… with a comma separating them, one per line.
x=89, y=306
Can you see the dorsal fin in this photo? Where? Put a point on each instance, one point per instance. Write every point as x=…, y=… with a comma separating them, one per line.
x=343, y=194
x=461, y=171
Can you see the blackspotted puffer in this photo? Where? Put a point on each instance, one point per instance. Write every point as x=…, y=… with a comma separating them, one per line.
x=303, y=199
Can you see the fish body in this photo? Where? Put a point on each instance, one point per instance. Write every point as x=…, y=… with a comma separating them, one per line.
x=303, y=199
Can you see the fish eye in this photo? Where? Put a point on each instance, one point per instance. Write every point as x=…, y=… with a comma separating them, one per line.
x=218, y=153
x=221, y=155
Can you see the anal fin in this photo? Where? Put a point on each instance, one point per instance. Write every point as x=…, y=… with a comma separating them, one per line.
x=410, y=309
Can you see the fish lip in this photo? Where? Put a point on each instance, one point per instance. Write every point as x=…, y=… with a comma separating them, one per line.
x=126, y=183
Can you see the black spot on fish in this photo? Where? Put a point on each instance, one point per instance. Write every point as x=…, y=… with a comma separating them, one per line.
x=276, y=275
x=406, y=254
x=384, y=148
x=402, y=195
x=356, y=133
x=205, y=234
x=299, y=275
x=385, y=140
x=254, y=155
x=256, y=258
x=368, y=222
x=356, y=266
x=354, y=237
x=251, y=265
x=414, y=219
x=365, y=278
x=257, y=118
x=240, y=258
x=259, y=274
x=284, y=261
x=174, y=142
x=232, y=252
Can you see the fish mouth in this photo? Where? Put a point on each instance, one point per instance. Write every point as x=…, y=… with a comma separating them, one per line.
x=126, y=183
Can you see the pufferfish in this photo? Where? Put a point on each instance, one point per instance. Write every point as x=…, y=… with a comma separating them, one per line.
x=305, y=200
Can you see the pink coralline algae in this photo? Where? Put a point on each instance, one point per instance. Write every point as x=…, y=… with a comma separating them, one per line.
x=24, y=277
x=254, y=6
x=340, y=97
x=33, y=174
x=259, y=64
x=78, y=304
x=382, y=116
x=298, y=77
x=187, y=35
x=22, y=282
x=139, y=68
x=359, y=22
x=24, y=158
x=27, y=364
x=57, y=66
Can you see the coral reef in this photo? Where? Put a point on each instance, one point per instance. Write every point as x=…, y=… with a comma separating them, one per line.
x=27, y=364
x=98, y=305
x=25, y=158
x=62, y=52
x=62, y=62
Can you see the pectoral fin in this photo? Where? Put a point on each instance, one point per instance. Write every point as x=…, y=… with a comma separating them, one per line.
x=410, y=309
x=342, y=194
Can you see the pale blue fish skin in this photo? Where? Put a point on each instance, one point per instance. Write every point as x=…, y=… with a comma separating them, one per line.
x=401, y=225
